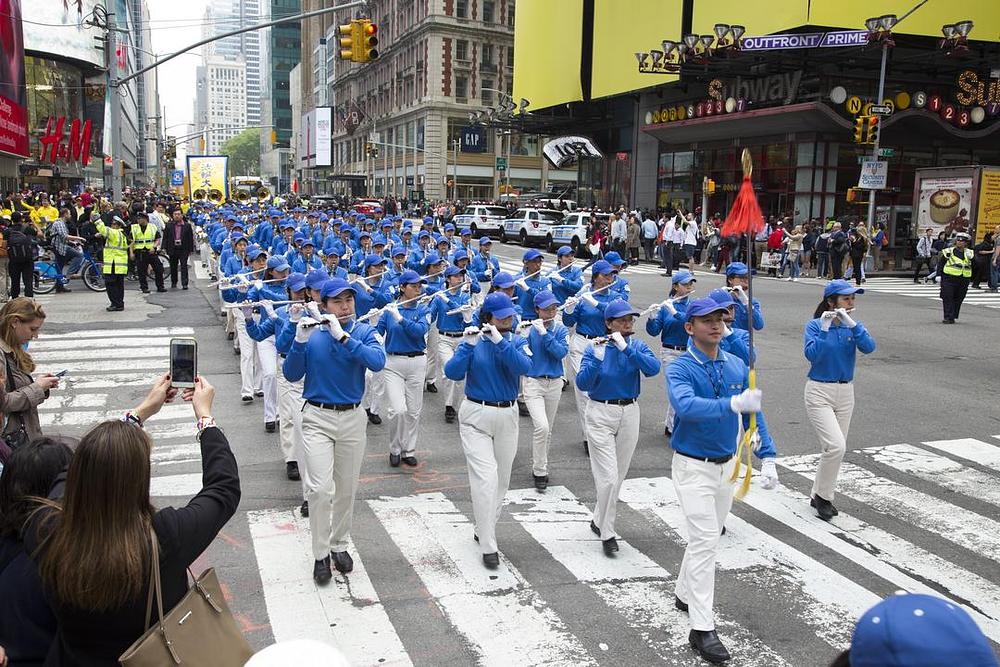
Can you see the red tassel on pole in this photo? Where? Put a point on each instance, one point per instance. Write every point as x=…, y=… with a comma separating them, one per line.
x=745, y=216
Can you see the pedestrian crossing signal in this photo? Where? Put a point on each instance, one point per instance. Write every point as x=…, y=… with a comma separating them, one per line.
x=859, y=129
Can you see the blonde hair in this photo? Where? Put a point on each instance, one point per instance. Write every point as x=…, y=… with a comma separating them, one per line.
x=21, y=309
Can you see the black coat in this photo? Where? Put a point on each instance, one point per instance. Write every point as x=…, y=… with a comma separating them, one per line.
x=187, y=238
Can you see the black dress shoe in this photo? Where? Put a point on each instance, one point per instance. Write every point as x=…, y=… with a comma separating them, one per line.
x=708, y=646
x=586, y=448
x=373, y=418
x=449, y=414
x=269, y=427
x=522, y=409
x=394, y=460
x=246, y=399
x=666, y=431
x=321, y=571
x=185, y=287
x=594, y=529
x=432, y=388
x=824, y=508
x=610, y=546
x=342, y=561
x=304, y=508
x=230, y=335
x=491, y=561
x=292, y=471
x=680, y=605
x=541, y=482
x=258, y=394
x=723, y=530
x=565, y=384
x=410, y=460
x=161, y=289
x=145, y=291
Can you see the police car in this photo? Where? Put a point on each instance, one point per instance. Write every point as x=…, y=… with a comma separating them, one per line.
x=482, y=220
x=572, y=231
x=531, y=226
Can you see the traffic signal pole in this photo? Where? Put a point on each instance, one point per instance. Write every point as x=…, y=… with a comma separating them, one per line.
x=878, y=135
x=115, y=82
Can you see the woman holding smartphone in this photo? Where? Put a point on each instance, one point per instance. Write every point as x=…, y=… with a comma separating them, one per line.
x=832, y=340
x=20, y=321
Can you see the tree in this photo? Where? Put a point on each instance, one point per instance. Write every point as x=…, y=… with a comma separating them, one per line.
x=243, y=151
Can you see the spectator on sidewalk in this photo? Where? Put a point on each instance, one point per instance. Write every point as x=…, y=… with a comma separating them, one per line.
x=633, y=239
x=178, y=242
x=650, y=231
x=925, y=251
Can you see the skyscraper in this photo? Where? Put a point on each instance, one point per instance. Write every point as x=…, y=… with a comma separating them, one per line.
x=222, y=16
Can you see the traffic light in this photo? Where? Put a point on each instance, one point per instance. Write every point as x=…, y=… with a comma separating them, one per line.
x=873, y=127
x=859, y=129
x=709, y=186
x=367, y=41
x=347, y=41
x=371, y=150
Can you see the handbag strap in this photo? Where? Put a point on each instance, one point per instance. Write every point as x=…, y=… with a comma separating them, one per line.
x=154, y=579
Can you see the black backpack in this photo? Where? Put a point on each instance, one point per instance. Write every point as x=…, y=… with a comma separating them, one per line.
x=18, y=246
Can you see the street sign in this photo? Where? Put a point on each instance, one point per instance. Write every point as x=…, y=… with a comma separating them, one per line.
x=501, y=164
x=881, y=109
x=887, y=152
x=874, y=174
x=177, y=177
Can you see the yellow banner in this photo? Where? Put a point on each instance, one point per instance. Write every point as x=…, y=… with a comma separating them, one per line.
x=547, y=52
x=927, y=21
x=208, y=173
x=988, y=219
x=620, y=30
x=778, y=16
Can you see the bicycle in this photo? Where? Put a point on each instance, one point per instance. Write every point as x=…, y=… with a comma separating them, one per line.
x=47, y=276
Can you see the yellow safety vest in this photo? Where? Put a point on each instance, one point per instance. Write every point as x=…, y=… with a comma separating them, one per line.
x=115, y=260
x=955, y=265
x=143, y=240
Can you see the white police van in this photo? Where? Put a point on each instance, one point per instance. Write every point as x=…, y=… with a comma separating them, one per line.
x=572, y=231
x=531, y=226
x=482, y=220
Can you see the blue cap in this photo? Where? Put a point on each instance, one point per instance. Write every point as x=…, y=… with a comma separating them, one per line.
x=438, y=240
x=374, y=260
x=312, y=214
x=237, y=236
x=613, y=258
x=386, y=223
x=364, y=233
x=378, y=239
x=428, y=220
x=485, y=240
x=601, y=268
x=238, y=225
x=503, y=280
x=316, y=278
x=917, y=630
x=465, y=232
x=683, y=277
x=737, y=269
x=406, y=230
x=298, y=237
x=334, y=249
x=721, y=297
x=423, y=234
x=619, y=308
x=410, y=277
x=308, y=241
x=499, y=305
x=333, y=287
x=295, y=281
x=459, y=254
x=545, y=298
x=564, y=250
x=838, y=287
x=278, y=263
x=287, y=224
x=449, y=227
x=433, y=258
x=453, y=270
x=531, y=254
x=254, y=251
x=704, y=306
x=398, y=250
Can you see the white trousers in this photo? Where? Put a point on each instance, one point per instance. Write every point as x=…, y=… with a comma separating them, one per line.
x=541, y=395
x=434, y=365
x=249, y=362
x=705, y=496
x=267, y=373
x=667, y=357
x=290, y=427
x=614, y=432
x=231, y=318
x=334, y=447
x=489, y=439
x=829, y=406
x=374, y=391
x=446, y=350
x=577, y=346
x=404, y=397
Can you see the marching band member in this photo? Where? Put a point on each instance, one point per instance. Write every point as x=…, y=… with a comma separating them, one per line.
x=282, y=243
x=566, y=280
x=610, y=374
x=465, y=241
x=372, y=291
x=620, y=289
x=331, y=260
x=460, y=259
x=492, y=370
x=668, y=324
x=418, y=258
x=586, y=314
x=530, y=282
x=314, y=283
x=267, y=354
x=484, y=265
x=332, y=359
x=249, y=359
x=450, y=328
x=832, y=340
x=737, y=280
x=435, y=264
x=404, y=325
x=307, y=260
x=398, y=266
x=542, y=386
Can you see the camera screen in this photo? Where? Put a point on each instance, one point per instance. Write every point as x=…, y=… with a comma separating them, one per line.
x=182, y=362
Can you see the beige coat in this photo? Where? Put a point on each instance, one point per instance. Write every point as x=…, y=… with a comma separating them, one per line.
x=19, y=403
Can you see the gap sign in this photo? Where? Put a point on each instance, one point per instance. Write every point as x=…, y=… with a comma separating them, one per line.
x=473, y=139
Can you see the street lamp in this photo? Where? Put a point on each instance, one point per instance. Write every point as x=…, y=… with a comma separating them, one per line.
x=956, y=42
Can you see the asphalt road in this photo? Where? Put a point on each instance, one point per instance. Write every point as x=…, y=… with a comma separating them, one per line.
x=789, y=587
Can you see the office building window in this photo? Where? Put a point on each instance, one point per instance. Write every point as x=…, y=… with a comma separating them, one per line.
x=461, y=49
x=461, y=87
x=462, y=9
x=488, y=10
x=486, y=92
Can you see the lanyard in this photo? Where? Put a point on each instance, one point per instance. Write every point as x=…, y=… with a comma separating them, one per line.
x=714, y=374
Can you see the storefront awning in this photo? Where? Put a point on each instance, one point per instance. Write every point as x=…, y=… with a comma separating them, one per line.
x=804, y=117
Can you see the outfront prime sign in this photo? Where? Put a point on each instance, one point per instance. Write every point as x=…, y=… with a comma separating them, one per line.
x=809, y=40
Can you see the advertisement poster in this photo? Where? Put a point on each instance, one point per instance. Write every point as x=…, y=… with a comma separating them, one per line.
x=944, y=205
x=68, y=32
x=13, y=94
x=209, y=177
x=988, y=216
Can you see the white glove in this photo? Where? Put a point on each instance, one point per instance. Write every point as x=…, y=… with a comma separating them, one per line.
x=269, y=309
x=243, y=287
x=443, y=295
x=826, y=319
x=313, y=309
x=304, y=329
x=726, y=331
x=489, y=272
x=599, y=350
x=247, y=312
x=746, y=402
x=336, y=330
x=492, y=333
x=259, y=284
x=393, y=310
x=295, y=312
x=522, y=283
x=471, y=336
x=768, y=474
x=589, y=298
x=741, y=296
x=619, y=340
x=539, y=326
x=755, y=441
x=668, y=305
x=364, y=285
x=845, y=318
x=570, y=305
x=554, y=276
x=380, y=338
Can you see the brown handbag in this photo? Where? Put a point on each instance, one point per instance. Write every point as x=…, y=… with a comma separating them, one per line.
x=199, y=631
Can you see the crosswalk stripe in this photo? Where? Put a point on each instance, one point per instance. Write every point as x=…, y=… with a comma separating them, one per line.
x=124, y=356
x=133, y=364
x=85, y=417
x=963, y=527
x=938, y=470
x=125, y=378
x=631, y=584
x=833, y=601
x=64, y=402
x=906, y=287
x=90, y=343
x=116, y=334
x=970, y=449
x=175, y=486
x=346, y=614
x=502, y=617
x=174, y=454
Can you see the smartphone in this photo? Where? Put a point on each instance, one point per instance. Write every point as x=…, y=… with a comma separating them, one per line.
x=62, y=372
x=183, y=362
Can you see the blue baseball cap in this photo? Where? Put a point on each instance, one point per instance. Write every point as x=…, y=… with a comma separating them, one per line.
x=423, y=234
x=702, y=307
x=838, y=287
x=601, y=268
x=278, y=263
x=459, y=254
x=499, y=305
x=298, y=237
x=378, y=239
x=295, y=282
x=530, y=255
x=565, y=250
x=613, y=258
x=503, y=280
x=398, y=250
x=485, y=240
x=453, y=270
x=364, y=233
x=545, y=298
x=374, y=260
x=619, y=308
x=721, y=297
x=449, y=227
x=316, y=278
x=288, y=224
x=336, y=248
x=683, y=277
x=333, y=287
x=254, y=251
x=433, y=258
x=918, y=630
x=737, y=269
x=387, y=223
x=428, y=220
x=237, y=236
x=465, y=232
x=410, y=277
x=308, y=241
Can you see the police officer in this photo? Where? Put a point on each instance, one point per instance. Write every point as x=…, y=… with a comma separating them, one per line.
x=737, y=280
x=491, y=360
x=145, y=239
x=955, y=269
x=610, y=374
x=332, y=358
x=668, y=324
x=708, y=388
x=114, y=261
x=548, y=341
